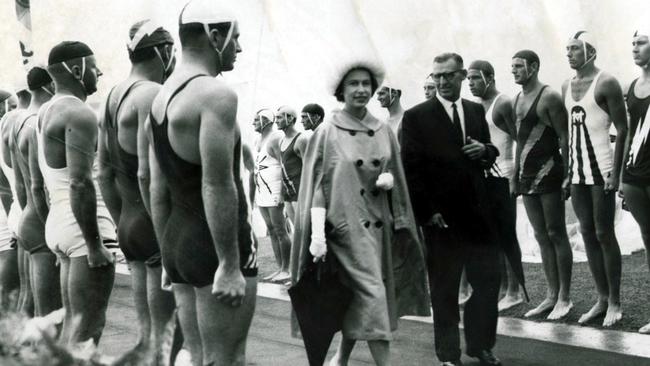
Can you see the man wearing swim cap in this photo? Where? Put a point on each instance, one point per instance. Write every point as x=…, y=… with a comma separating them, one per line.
x=594, y=100
x=44, y=272
x=498, y=107
x=389, y=98
x=7, y=102
x=268, y=191
x=9, y=279
x=198, y=204
x=289, y=149
x=78, y=229
x=123, y=158
x=636, y=174
x=540, y=161
x=25, y=296
x=312, y=116
x=429, y=87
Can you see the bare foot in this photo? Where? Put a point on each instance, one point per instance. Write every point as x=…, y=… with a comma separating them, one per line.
x=270, y=277
x=282, y=277
x=510, y=301
x=545, y=306
x=560, y=310
x=614, y=314
x=645, y=329
x=597, y=310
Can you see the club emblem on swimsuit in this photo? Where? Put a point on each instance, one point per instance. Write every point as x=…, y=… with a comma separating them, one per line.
x=578, y=115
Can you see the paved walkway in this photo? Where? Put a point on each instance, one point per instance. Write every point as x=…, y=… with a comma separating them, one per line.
x=521, y=343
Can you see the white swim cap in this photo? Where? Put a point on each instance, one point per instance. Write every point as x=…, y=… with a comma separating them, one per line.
x=285, y=109
x=642, y=31
x=585, y=37
x=206, y=12
x=266, y=113
x=429, y=80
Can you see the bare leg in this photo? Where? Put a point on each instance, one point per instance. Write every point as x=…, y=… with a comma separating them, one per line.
x=638, y=200
x=514, y=295
x=279, y=226
x=9, y=279
x=275, y=243
x=535, y=214
x=342, y=356
x=89, y=291
x=553, y=206
x=161, y=304
x=139, y=286
x=46, y=284
x=64, y=272
x=224, y=328
x=26, y=298
x=187, y=316
x=604, y=215
x=465, y=290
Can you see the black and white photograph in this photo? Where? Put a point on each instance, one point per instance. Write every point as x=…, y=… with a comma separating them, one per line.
x=324, y=182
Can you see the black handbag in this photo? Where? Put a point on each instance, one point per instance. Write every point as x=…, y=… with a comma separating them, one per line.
x=320, y=302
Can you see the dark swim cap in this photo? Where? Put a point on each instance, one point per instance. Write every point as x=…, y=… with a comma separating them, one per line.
x=527, y=55
x=145, y=34
x=37, y=77
x=68, y=50
x=314, y=109
x=483, y=66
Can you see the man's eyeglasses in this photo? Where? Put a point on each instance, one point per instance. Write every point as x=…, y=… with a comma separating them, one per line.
x=446, y=75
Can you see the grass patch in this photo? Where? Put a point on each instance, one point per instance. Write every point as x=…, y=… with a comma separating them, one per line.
x=635, y=288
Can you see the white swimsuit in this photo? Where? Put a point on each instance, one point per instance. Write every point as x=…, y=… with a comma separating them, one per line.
x=62, y=232
x=268, y=179
x=503, y=142
x=590, y=149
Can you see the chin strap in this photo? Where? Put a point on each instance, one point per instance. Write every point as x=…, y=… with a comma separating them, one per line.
x=206, y=28
x=83, y=71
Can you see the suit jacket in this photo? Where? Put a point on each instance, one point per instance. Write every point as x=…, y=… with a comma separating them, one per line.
x=440, y=178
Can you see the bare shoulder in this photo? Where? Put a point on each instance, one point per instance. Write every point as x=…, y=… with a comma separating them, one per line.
x=608, y=84
x=74, y=112
x=212, y=90
x=550, y=98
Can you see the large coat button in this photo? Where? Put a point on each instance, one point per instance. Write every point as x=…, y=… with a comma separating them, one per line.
x=371, y=133
x=376, y=162
x=379, y=224
x=352, y=133
x=359, y=162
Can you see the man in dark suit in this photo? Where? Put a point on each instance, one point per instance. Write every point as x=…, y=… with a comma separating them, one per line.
x=446, y=149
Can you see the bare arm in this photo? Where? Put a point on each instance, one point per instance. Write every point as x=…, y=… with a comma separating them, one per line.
x=160, y=202
x=249, y=163
x=300, y=147
x=80, y=143
x=273, y=146
x=611, y=91
x=217, y=137
x=555, y=115
x=216, y=146
x=19, y=180
x=37, y=184
x=5, y=193
x=144, y=107
x=106, y=181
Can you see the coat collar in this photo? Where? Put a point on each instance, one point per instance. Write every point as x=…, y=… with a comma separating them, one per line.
x=345, y=120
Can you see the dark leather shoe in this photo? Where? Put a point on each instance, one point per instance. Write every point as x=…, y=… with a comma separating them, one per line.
x=486, y=357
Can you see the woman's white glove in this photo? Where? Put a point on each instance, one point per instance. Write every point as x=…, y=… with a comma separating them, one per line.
x=385, y=181
x=318, y=246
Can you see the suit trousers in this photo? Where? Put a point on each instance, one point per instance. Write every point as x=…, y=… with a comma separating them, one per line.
x=447, y=255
